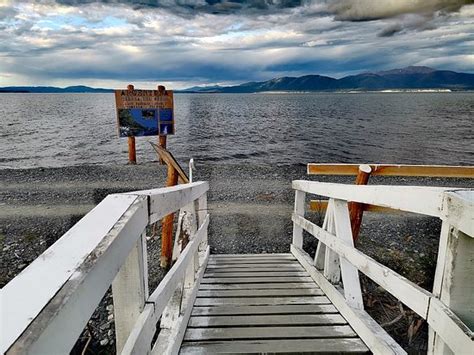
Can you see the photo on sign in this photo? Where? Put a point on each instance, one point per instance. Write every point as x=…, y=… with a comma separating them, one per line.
x=166, y=114
x=149, y=114
x=166, y=128
x=137, y=122
x=166, y=121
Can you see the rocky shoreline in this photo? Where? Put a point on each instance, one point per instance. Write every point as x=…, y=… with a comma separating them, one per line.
x=250, y=207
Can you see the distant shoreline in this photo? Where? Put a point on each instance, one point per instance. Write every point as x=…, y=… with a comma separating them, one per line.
x=408, y=79
x=277, y=92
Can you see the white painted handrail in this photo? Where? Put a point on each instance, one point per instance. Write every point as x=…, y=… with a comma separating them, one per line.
x=417, y=199
x=453, y=279
x=45, y=308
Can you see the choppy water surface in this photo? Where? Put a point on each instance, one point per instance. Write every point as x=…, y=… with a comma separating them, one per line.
x=73, y=129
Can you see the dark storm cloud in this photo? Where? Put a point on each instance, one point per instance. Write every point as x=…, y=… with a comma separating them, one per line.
x=420, y=12
x=369, y=10
x=343, y=10
x=390, y=30
x=197, y=6
x=414, y=15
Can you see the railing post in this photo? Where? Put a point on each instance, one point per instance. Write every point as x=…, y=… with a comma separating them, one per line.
x=332, y=263
x=454, y=278
x=328, y=225
x=300, y=199
x=130, y=291
x=201, y=209
x=185, y=231
x=190, y=228
x=186, y=226
x=350, y=275
x=356, y=209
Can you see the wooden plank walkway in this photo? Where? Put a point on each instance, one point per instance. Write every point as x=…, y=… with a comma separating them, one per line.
x=264, y=303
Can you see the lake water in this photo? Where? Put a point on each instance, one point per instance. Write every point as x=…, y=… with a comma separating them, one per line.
x=51, y=130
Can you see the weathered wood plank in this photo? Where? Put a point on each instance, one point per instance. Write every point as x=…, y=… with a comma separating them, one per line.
x=248, y=320
x=253, y=269
x=333, y=331
x=256, y=293
x=170, y=160
x=394, y=170
x=231, y=280
x=175, y=197
x=252, y=256
x=368, y=329
x=279, y=309
x=308, y=346
x=425, y=200
x=261, y=300
x=254, y=274
x=258, y=286
x=250, y=261
x=215, y=267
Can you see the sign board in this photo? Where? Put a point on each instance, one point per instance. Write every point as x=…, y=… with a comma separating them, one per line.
x=144, y=112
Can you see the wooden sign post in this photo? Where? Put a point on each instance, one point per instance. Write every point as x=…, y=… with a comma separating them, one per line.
x=162, y=138
x=167, y=225
x=144, y=113
x=175, y=174
x=162, y=143
x=132, y=153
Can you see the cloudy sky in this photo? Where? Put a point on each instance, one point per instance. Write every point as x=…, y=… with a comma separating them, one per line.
x=183, y=43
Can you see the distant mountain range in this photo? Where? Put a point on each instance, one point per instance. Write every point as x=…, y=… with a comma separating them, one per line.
x=53, y=89
x=409, y=78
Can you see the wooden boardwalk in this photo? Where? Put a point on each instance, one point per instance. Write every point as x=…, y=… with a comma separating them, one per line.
x=264, y=303
x=275, y=303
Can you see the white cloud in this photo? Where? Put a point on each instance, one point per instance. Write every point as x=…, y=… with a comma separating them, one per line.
x=46, y=43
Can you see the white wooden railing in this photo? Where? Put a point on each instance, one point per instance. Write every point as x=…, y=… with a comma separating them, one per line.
x=448, y=309
x=46, y=307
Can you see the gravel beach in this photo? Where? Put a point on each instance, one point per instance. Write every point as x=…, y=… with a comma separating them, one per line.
x=250, y=208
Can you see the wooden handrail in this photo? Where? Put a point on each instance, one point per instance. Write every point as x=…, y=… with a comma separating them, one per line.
x=456, y=171
x=364, y=171
x=106, y=247
x=321, y=205
x=444, y=309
